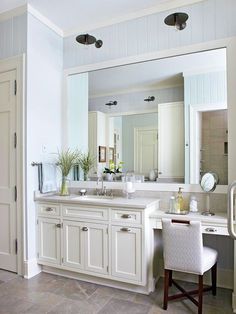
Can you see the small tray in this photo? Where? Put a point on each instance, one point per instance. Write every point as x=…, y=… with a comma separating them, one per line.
x=184, y=212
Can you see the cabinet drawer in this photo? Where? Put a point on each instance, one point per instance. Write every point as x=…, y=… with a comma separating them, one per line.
x=84, y=212
x=126, y=216
x=48, y=209
x=217, y=230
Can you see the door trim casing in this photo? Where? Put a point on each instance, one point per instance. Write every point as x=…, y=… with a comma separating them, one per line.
x=18, y=64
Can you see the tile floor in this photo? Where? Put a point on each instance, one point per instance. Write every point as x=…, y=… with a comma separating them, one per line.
x=51, y=294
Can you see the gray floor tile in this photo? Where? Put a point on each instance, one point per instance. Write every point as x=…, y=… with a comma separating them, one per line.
x=118, y=306
x=7, y=275
x=52, y=294
x=73, y=307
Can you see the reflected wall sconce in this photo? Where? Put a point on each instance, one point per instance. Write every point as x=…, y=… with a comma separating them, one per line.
x=150, y=98
x=178, y=20
x=86, y=39
x=111, y=103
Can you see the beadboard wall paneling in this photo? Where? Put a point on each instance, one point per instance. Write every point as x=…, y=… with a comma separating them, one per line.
x=13, y=36
x=208, y=20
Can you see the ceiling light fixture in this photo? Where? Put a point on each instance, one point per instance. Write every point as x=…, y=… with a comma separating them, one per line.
x=86, y=39
x=178, y=20
x=150, y=98
x=111, y=103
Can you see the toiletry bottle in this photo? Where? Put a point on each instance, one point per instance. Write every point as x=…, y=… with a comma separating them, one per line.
x=193, y=204
x=172, y=204
x=179, y=202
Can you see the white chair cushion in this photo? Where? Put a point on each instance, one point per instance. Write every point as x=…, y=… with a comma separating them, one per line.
x=209, y=258
x=183, y=248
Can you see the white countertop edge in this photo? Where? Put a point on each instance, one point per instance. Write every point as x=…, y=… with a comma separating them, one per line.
x=137, y=202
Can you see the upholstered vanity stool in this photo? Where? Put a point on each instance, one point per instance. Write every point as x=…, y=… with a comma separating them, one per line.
x=184, y=252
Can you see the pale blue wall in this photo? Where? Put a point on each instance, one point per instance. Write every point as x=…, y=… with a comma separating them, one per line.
x=208, y=20
x=78, y=111
x=43, y=114
x=13, y=36
x=207, y=88
x=128, y=124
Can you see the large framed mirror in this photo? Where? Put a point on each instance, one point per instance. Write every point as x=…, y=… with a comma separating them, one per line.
x=165, y=120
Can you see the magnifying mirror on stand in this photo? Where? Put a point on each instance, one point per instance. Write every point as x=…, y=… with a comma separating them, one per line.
x=208, y=184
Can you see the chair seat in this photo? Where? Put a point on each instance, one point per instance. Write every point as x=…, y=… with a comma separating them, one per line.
x=209, y=258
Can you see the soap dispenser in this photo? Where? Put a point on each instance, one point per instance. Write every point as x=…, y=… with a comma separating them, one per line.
x=179, y=201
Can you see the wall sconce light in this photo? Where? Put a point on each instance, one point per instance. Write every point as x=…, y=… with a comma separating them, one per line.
x=150, y=98
x=111, y=103
x=86, y=39
x=178, y=20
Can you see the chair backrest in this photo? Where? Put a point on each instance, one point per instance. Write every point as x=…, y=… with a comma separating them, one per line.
x=183, y=245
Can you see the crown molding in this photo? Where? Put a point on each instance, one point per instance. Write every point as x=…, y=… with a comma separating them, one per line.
x=44, y=20
x=135, y=90
x=171, y=4
x=7, y=15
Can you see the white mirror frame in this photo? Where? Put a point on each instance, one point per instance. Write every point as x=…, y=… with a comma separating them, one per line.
x=230, y=45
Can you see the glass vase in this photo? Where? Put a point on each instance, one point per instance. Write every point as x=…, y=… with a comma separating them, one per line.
x=64, y=186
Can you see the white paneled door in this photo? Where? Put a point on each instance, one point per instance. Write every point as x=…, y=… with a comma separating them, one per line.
x=8, y=244
x=145, y=149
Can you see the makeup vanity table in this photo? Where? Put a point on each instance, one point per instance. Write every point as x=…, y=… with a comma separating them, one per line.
x=106, y=240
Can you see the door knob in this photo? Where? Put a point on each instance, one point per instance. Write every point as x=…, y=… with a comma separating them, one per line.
x=85, y=229
x=58, y=225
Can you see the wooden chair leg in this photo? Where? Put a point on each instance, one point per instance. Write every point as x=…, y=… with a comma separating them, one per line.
x=200, y=293
x=170, y=278
x=214, y=278
x=166, y=287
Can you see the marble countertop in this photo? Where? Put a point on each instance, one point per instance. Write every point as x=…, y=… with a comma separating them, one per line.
x=219, y=217
x=137, y=202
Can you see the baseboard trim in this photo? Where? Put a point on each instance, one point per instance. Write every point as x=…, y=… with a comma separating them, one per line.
x=31, y=268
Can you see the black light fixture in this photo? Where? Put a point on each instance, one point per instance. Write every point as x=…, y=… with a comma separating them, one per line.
x=86, y=39
x=111, y=103
x=178, y=20
x=150, y=98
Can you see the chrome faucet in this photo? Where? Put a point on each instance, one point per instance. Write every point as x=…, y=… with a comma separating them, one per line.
x=103, y=191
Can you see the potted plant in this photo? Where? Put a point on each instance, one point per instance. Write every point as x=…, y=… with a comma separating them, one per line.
x=112, y=170
x=86, y=162
x=65, y=161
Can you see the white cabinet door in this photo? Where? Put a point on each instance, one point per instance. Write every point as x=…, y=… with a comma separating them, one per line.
x=127, y=253
x=96, y=248
x=73, y=244
x=49, y=240
x=171, y=141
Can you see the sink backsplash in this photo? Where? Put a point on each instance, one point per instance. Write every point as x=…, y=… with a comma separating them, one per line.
x=218, y=202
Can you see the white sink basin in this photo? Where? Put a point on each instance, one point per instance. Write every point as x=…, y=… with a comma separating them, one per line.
x=93, y=197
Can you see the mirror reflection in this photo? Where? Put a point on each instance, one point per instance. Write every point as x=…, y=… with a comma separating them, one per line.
x=162, y=120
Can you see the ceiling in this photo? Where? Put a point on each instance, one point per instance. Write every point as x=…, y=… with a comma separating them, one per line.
x=153, y=74
x=69, y=15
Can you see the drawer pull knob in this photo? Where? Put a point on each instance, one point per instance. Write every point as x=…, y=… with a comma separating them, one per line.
x=126, y=216
x=49, y=209
x=125, y=229
x=85, y=229
x=211, y=229
x=58, y=225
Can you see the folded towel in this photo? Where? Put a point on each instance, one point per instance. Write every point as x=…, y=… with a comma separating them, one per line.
x=49, y=178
